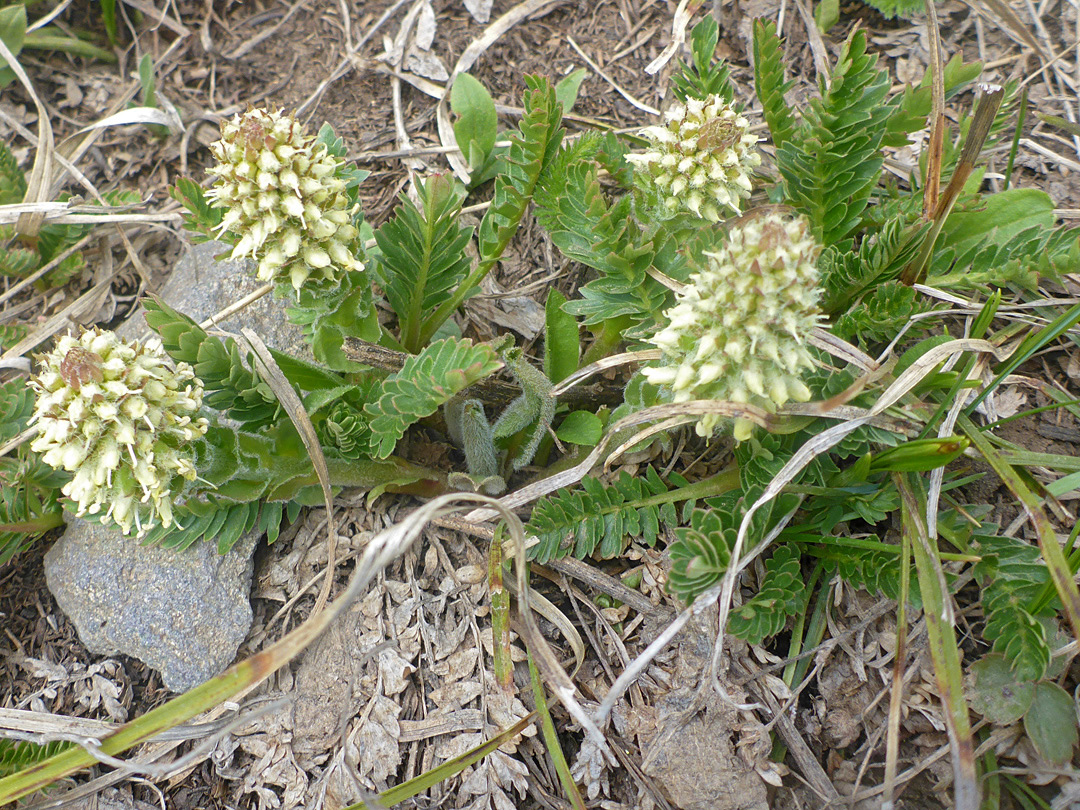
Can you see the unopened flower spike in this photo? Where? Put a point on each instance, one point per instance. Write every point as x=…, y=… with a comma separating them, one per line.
x=701, y=158
x=120, y=416
x=284, y=198
x=738, y=331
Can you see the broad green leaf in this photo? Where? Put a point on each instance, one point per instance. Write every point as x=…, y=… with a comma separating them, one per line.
x=146, y=81
x=562, y=346
x=566, y=91
x=477, y=121
x=581, y=427
x=1050, y=723
x=13, y=28
x=997, y=694
x=108, y=16
x=996, y=219
x=827, y=14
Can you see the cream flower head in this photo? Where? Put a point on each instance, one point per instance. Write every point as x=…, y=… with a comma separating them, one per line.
x=738, y=330
x=119, y=416
x=701, y=159
x=282, y=196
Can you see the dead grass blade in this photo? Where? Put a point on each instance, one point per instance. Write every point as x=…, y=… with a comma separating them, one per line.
x=283, y=390
x=1012, y=22
x=684, y=12
x=934, y=155
x=37, y=183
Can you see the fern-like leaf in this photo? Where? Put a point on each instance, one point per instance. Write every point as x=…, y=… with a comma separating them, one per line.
x=703, y=77
x=769, y=81
x=202, y=218
x=779, y=596
x=12, y=179
x=532, y=148
x=602, y=519
x=1014, y=576
x=831, y=163
x=586, y=227
x=875, y=571
x=329, y=312
x=425, y=382
x=423, y=254
x=223, y=524
x=15, y=755
x=881, y=314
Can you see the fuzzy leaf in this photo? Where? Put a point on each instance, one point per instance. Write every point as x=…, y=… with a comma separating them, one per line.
x=1013, y=576
x=16, y=755
x=12, y=179
x=531, y=149
x=425, y=382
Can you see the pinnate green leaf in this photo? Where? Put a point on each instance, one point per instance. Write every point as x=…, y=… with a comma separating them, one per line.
x=425, y=382
x=422, y=254
x=601, y=519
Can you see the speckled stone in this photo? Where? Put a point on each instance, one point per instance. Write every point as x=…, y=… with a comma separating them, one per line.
x=184, y=613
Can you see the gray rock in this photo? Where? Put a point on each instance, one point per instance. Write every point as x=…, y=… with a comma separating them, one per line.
x=184, y=613
x=200, y=287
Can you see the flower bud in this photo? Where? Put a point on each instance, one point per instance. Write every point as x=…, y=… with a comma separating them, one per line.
x=700, y=160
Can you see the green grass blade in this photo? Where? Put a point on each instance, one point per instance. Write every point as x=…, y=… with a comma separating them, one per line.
x=551, y=741
x=418, y=784
x=948, y=673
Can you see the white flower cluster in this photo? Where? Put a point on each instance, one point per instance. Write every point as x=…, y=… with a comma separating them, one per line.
x=283, y=197
x=702, y=158
x=118, y=416
x=738, y=330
